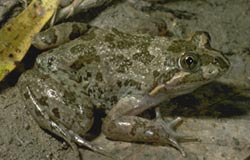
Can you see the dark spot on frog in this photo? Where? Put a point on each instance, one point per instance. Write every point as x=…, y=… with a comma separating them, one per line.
x=79, y=77
x=16, y=37
x=76, y=32
x=156, y=73
x=99, y=76
x=87, y=58
x=181, y=45
x=77, y=65
x=1, y=52
x=140, y=124
x=109, y=37
x=120, y=44
x=133, y=131
x=49, y=36
x=122, y=63
x=78, y=48
x=76, y=78
x=113, y=99
x=119, y=84
x=89, y=74
x=90, y=91
x=86, y=77
x=94, y=91
x=123, y=40
x=69, y=97
x=100, y=91
x=9, y=29
x=26, y=95
x=124, y=44
x=56, y=112
x=131, y=82
x=43, y=101
x=143, y=57
x=162, y=27
x=11, y=55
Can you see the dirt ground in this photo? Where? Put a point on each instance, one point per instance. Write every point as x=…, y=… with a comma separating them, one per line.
x=219, y=112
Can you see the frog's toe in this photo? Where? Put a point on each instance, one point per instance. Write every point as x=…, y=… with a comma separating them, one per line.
x=175, y=144
x=82, y=142
x=174, y=124
x=173, y=138
x=176, y=138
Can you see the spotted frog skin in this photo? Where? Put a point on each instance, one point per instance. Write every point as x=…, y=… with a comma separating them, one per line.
x=125, y=75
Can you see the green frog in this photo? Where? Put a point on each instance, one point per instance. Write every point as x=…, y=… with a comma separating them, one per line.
x=124, y=74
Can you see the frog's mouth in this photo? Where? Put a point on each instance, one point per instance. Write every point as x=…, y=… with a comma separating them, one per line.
x=184, y=88
x=186, y=82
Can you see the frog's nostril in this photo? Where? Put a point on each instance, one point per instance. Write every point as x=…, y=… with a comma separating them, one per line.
x=222, y=62
x=215, y=61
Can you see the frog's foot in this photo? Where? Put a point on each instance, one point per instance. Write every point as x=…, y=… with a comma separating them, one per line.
x=174, y=138
x=171, y=127
x=137, y=129
x=82, y=142
x=73, y=138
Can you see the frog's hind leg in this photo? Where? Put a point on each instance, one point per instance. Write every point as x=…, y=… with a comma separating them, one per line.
x=46, y=123
x=49, y=123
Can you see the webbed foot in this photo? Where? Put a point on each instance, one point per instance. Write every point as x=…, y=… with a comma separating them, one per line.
x=173, y=138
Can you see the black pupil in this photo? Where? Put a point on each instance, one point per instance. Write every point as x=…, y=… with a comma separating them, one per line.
x=189, y=60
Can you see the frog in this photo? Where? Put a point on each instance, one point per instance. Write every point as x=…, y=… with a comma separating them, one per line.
x=125, y=75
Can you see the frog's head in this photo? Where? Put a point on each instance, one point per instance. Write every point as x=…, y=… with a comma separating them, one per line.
x=195, y=64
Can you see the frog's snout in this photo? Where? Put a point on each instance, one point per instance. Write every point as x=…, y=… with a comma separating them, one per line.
x=222, y=63
x=219, y=65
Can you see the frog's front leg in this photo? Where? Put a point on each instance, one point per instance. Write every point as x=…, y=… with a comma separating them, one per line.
x=122, y=123
x=59, y=34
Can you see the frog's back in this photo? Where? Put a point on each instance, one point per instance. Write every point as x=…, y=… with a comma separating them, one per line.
x=106, y=64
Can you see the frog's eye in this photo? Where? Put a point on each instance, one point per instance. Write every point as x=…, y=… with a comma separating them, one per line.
x=189, y=62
